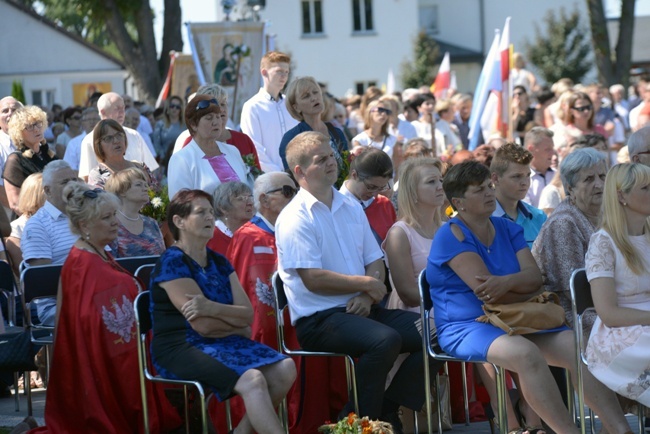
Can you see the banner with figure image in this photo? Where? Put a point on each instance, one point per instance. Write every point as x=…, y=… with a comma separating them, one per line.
x=229, y=53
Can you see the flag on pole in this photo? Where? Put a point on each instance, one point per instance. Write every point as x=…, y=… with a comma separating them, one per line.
x=195, y=55
x=486, y=82
x=453, y=84
x=441, y=85
x=504, y=49
x=167, y=86
x=390, y=82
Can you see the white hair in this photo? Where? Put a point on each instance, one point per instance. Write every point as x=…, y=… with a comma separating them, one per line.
x=638, y=141
x=51, y=168
x=106, y=100
x=266, y=182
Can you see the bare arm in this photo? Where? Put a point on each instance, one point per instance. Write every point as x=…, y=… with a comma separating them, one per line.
x=398, y=252
x=603, y=291
x=12, y=196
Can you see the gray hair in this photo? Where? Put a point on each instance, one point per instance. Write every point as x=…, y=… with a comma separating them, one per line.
x=639, y=141
x=266, y=182
x=536, y=135
x=218, y=92
x=224, y=193
x=107, y=100
x=576, y=161
x=51, y=168
x=81, y=208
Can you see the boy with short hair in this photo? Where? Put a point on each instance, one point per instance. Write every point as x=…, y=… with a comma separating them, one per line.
x=264, y=117
x=511, y=177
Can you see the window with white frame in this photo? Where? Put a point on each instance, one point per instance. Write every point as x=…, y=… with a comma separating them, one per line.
x=429, y=19
x=312, y=17
x=362, y=16
x=43, y=97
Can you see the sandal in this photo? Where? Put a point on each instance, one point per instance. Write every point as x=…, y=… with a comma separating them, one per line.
x=536, y=430
x=518, y=431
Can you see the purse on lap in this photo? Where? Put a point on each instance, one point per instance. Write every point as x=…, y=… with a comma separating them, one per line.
x=541, y=312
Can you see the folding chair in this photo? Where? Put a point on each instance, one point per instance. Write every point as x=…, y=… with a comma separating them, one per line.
x=133, y=263
x=143, y=325
x=581, y=302
x=144, y=274
x=38, y=282
x=280, y=306
x=426, y=306
x=8, y=290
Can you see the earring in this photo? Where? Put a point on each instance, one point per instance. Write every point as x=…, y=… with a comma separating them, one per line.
x=462, y=209
x=624, y=203
x=87, y=236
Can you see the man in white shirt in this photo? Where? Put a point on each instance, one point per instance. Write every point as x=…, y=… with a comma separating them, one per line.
x=89, y=118
x=111, y=106
x=264, y=117
x=636, y=111
x=8, y=105
x=539, y=141
x=132, y=119
x=333, y=273
x=47, y=238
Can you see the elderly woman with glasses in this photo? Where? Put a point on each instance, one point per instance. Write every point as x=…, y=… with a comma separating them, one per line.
x=205, y=162
x=26, y=129
x=475, y=259
x=95, y=331
x=233, y=206
x=109, y=144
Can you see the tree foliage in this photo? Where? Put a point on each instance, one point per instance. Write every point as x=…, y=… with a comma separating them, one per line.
x=562, y=49
x=421, y=70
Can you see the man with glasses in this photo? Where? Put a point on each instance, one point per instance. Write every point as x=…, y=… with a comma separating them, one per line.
x=111, y=106
x=333, y=273
x=638, y=146
x=264, y=117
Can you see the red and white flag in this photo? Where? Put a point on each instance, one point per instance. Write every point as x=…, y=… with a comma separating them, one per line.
x=440, y=86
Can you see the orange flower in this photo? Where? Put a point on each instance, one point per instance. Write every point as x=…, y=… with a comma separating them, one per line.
x=351, y=418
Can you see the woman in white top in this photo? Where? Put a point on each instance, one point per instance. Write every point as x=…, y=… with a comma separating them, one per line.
x=425, y=125
x=376, y=132
x=204, y=163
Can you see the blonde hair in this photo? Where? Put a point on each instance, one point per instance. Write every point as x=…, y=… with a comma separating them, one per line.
x=623, y=178
x=297, y=87
x=120, y=182
x=32, y=196
x=298, y=149
x=367, y=117
x=82, y=208
x=410, y=176
x=21, y=118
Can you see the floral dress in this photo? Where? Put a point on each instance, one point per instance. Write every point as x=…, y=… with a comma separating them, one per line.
x=178, y=350
x=619, y=357
x=147, y=243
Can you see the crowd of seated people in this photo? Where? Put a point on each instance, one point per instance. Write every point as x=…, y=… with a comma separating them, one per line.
x=499, y=223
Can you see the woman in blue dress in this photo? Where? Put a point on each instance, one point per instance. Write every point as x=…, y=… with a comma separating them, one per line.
x=202, y=321
x=476, y=259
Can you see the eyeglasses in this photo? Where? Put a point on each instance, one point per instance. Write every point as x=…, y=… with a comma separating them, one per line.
x=642, y=153
x=76, y=118
x=176, y=106
x=584, y=108
x=92, y=194
x=519, y=93
x=245, y=198
x=382, y=110
x=204, y=104
x=287, y=191
x=115, y=138
x=373, y=188
x=34, y=126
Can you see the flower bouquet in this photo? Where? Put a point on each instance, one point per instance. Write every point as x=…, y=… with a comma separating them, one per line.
x=157, y=206
x=249, y=161
x=353, y=424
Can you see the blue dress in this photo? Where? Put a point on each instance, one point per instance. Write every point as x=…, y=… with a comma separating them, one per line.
x=178, y=351
x=456, y=307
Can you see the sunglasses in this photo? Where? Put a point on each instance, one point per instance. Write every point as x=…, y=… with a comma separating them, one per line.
x=287, y=191
x=176, y=106
x=34, y=126
x=76, y=118
x=382, y=110
x=92, y=194
x=584, y=108
x=204, y=104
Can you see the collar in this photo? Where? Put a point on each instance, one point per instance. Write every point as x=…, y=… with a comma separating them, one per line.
x=345, y=192
x=310, y=200
x=521, y=208
x=534, y=172
x=268, y=96
x=53, y=211
x=260, y=221
x=223, y=228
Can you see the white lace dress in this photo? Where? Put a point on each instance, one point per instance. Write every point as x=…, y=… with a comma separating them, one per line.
x=619, y=357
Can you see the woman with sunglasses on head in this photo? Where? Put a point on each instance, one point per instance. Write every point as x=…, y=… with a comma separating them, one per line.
x=168, y=128
x=109, y=144
x=305, y=103
x=233, y=206
x=94, y=379
x=205, y=162
x=376, y=133
x=26, y=129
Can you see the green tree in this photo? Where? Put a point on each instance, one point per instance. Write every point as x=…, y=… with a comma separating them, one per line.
x=612, y=67
x=425, y=56
x=562, y=49
x=124, y=28
x=17, y=91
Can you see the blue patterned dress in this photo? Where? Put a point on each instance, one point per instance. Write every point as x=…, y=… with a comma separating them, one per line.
x=178, y=351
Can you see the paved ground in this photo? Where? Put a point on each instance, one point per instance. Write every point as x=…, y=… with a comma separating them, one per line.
x=9, y=417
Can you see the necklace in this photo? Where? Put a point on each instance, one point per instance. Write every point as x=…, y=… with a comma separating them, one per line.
x=96, y=251
x=138, y=218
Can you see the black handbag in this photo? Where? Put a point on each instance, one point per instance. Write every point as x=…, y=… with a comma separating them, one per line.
x=16, y=350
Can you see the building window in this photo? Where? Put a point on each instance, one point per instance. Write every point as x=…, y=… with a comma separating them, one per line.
x=429, y=19
x=312, y=17
x=362, y=15
x=361, y=86
x=44, y=97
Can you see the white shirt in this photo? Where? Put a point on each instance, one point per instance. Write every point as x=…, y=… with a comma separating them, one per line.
x=73, y=151
x=136, y=150
x=634, y=116
x=450, y=137
x=387, y=144
x=311, y=235
x=188, y=169
x=6, y=148
x=424, y=131
x=404, y=129
x=537, y=184
x=180, y=140
x=265, y=121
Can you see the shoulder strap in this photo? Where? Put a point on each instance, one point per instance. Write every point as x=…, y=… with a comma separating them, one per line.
x=335, y=135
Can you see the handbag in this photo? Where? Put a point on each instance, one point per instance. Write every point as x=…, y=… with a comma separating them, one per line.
x=16, y=350
x=541, y=312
